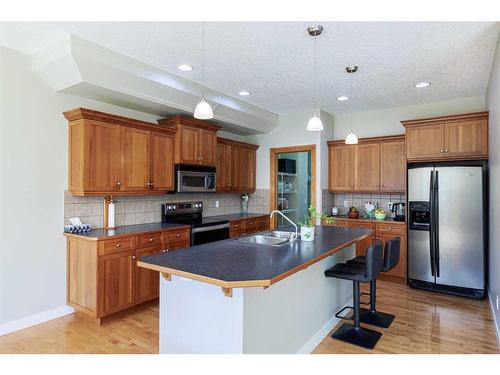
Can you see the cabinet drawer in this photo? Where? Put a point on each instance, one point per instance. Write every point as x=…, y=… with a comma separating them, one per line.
x=361, y=225
x=151, y=239
x=237, y=225
x=175, y=246
x=250, y=225
x=391, y=229
x=176, y=236
x=118, y=244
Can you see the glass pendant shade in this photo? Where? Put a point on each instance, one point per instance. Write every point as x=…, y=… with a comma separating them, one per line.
x=203, y=111
x=315, y=124
x=351, y=139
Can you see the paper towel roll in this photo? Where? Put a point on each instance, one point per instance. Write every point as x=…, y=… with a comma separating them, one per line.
x=111, y=215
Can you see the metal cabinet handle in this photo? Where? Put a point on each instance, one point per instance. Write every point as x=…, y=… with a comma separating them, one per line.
x=178, y=235
x=118, y=244
x=446, y=151
x=150, y=240
x=118, y=183
x=352, y=185
x=133, y=256
x=382, y=185
x=441, y=151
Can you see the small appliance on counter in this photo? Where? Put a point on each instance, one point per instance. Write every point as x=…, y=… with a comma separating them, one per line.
x=398, y=211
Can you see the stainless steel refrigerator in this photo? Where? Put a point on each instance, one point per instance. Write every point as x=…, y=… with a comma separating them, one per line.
x=447, y=227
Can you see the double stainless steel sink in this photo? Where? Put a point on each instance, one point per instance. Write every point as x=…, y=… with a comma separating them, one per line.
x=274, y=238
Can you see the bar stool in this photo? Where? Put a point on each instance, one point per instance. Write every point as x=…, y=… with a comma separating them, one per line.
x=391, y=259
x=354, y=333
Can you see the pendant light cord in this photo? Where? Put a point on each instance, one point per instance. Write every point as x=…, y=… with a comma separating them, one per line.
x=351, y=101
x=203, y=60
x=315, y=79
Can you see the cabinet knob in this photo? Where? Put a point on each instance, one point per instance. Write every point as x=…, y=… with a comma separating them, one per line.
x=441, y=151
x=133, y=256
x=118, y=244
x=446, y=150
x=352, y=185
x=118, y=183
x=178, y=235
x=390, y=228
x=382, y=185
x=150, y=240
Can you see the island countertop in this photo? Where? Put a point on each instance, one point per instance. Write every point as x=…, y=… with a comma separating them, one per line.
x=232, y=264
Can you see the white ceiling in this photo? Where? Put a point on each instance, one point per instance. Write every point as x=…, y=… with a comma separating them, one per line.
x=274, y=60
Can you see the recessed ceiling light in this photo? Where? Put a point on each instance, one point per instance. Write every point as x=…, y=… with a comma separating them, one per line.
x=185, y=67
x=422, y=84
x=342, y=98
x=244, y=93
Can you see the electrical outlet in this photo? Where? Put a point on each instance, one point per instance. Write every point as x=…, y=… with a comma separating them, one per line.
x=216, y=204
x=346, y=204
x=389, y=205
x=498, y=304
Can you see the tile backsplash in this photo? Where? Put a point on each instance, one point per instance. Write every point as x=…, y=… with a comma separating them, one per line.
x=147, y=209
x=354, y=199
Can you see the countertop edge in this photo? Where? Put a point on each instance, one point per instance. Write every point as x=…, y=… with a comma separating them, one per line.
x=102, y=238
x=249, y=283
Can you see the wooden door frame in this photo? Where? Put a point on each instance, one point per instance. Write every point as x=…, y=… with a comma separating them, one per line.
x=273, y=158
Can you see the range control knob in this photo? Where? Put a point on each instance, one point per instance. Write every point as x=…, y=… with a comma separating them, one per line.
x=169, y=207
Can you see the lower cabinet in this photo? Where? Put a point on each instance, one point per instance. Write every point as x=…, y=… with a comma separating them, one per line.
x=243, y=227
x=103, y=275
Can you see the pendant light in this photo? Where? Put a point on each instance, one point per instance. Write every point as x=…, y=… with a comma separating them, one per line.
x=315, y=123
x=351, y=138
x=203, y=111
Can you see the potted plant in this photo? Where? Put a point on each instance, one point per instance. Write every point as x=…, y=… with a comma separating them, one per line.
x=310, y=220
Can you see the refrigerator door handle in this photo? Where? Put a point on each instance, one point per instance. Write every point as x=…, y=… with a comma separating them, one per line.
x=431, y=226
x=436, y=222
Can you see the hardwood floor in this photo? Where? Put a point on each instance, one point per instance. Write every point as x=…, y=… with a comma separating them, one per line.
x=425, y=323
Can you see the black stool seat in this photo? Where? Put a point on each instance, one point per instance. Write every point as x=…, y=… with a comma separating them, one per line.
x=367, y=272
x=391, y=259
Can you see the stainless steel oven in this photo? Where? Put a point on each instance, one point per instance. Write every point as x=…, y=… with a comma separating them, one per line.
x=194, y=178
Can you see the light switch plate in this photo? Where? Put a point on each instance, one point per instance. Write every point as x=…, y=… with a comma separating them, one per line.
x=216, y=204
x=498, y=304
x=346, y=204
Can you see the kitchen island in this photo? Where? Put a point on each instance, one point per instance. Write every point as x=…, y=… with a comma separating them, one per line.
x=236, y=297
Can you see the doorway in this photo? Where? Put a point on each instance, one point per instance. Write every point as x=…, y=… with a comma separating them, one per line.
x=293, y=182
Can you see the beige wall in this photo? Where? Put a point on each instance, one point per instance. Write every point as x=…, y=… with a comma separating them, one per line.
x=493, y=105
x=387, y=121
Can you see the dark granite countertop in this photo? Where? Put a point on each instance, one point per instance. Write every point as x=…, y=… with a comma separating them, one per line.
x=96, y=234
x=387, y=219
x=229, y=263
x=238, y=216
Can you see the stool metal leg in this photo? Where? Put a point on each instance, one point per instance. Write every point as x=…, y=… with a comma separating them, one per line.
x=372, y=316
x=355, y=334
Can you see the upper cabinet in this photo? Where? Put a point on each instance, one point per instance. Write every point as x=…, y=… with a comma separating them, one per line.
x=374, y=165
x=195, y=140
x=110, y=154
x=456, y=137
x=236, y=166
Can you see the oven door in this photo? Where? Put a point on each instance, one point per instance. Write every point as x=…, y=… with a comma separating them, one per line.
x=192, y=181
x=209, y=234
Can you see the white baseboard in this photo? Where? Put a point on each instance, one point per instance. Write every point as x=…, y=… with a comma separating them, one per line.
x=492, y=305
x=32, y=320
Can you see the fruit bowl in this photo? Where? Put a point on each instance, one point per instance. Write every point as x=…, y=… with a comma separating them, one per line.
x=380, y=215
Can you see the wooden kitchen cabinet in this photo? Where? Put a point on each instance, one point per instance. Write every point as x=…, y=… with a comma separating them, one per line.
x=244, y=227
x=111, y=155
x=162, y=162
x=223, y=167
x=103, y=275
x=195, y=140
x=367, y=167
x=455, y=137
x=374, y=165
x=236, y=166
x=104, y=150
x=116, y=279
x=136, y=159
x=341, y=165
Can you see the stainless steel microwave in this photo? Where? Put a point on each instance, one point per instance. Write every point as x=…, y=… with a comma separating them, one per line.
x=194, y=178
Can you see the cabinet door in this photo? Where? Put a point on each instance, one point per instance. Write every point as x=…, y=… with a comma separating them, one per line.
x=146, y=281
x=135, y=159
x=248, y=170
x=466, y=138
x=188, y=148
x=237, y=169
x=116, y=281
x=104, y=166
x=425, y=142
x=392, y=167
x=400, y=270
x=207, y=147
x=223, y=167
x=367, y=167
x=340, y=168
x=362, y=245
x=162, y=162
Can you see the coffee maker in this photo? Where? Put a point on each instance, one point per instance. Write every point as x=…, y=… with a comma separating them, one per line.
x=398, y=210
